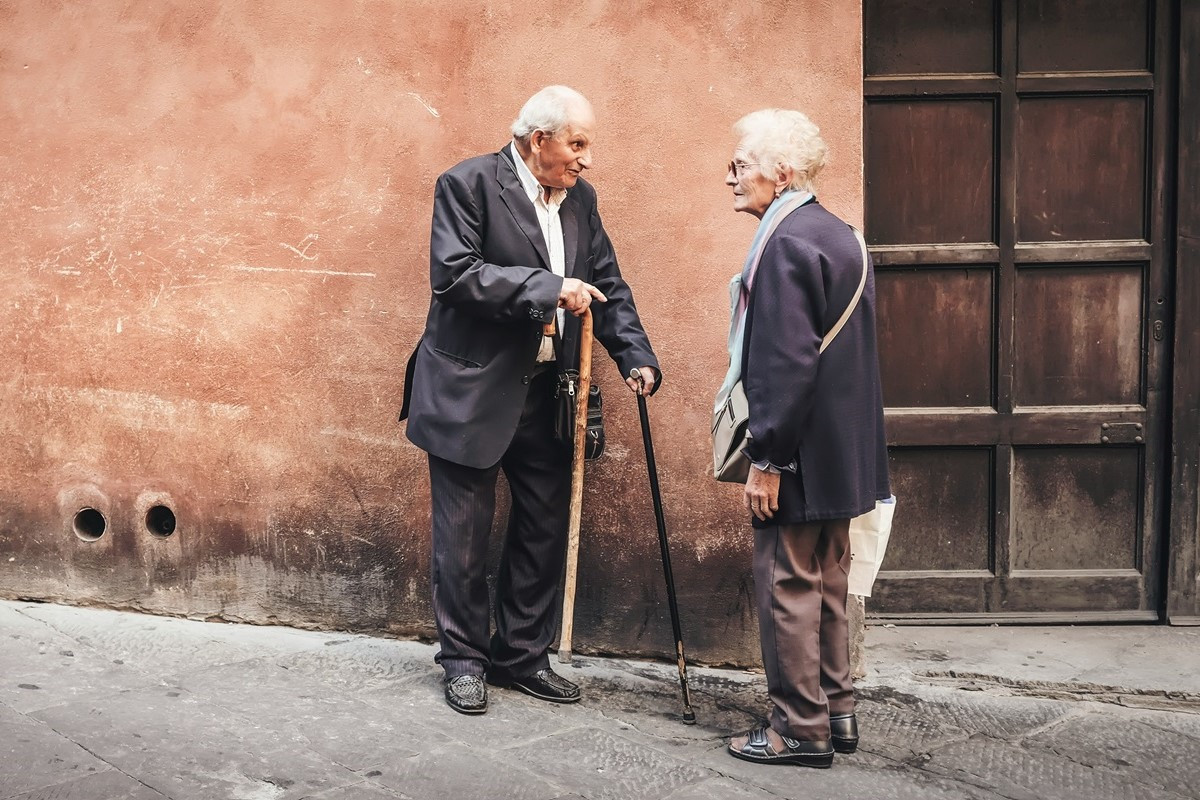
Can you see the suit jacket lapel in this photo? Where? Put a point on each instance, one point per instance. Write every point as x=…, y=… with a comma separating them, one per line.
x=570, y=228
x=513, y=195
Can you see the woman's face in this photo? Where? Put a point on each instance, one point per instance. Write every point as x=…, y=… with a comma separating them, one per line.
x=753, y=191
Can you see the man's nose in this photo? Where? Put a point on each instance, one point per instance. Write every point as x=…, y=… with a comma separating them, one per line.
x=729, y=179
x=585, y=159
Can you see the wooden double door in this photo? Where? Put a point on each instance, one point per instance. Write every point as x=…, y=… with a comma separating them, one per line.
x=1017, y=182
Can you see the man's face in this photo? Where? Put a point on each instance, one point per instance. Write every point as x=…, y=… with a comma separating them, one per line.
x=558, y=160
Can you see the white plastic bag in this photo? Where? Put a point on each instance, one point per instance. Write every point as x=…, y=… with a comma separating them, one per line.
x=869, y=536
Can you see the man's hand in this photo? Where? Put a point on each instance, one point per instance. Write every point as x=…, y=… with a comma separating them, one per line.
x=762, y=493
x=576, y=296
x=644, y=383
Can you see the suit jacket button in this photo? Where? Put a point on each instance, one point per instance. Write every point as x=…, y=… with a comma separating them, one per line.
x=525, y=379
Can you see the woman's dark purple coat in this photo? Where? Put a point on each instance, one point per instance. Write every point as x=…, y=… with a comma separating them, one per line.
x=824, y=411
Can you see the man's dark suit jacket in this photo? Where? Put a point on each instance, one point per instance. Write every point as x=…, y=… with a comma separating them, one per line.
x=492, y=292
x=825, y=411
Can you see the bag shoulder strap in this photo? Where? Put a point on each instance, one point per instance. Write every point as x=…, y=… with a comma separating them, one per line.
x=841, y=323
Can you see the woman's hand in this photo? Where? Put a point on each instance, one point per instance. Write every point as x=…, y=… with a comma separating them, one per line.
x=762, y=493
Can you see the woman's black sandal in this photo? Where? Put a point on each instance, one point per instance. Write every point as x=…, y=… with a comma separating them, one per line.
x=818, y=754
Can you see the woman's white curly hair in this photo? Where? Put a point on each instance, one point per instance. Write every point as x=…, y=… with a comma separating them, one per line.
x=777, y=138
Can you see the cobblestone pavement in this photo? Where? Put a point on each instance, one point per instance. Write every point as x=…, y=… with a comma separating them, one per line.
x=99, y=704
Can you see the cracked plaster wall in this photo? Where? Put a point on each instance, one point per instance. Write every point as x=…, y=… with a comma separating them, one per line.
x=214, y=228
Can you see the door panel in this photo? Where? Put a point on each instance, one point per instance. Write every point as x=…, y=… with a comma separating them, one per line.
x=1082, y=35
x=1081, y=168
x=948, y=144
x=1078, y=336
x=1015, y=157
x=958, y=320
x=1077, y=506
x=912, y=37
x=950, y=483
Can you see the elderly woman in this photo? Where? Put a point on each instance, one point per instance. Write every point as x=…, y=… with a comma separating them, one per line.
x=816, y=443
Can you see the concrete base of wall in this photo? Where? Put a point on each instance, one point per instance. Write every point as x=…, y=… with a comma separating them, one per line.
x=856, y=611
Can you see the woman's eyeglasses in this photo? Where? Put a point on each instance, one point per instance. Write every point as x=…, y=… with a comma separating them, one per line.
x=736, y=168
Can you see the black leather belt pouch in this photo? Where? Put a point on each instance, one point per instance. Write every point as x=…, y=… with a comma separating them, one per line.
x=565, y=393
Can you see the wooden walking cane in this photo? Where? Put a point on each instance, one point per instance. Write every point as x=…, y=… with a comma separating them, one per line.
x=577, y=461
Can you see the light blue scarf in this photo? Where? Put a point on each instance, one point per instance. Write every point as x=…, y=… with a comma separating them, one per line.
x=741, y=284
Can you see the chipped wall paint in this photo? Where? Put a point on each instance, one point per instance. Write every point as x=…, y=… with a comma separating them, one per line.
x=214, y=227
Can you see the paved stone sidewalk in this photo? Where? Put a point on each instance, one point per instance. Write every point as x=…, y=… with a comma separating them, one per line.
x=99, y=704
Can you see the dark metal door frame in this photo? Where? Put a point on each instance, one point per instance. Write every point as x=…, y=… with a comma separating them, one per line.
x=1183, y=572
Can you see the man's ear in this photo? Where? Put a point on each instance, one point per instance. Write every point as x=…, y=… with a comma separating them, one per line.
x=536, y=140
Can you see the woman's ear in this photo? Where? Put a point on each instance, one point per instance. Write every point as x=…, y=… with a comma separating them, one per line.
x=783, y=179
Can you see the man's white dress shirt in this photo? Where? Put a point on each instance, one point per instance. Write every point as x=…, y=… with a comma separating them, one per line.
x=552, y=233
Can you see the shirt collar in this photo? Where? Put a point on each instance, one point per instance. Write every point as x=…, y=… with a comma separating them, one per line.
x=529, y=183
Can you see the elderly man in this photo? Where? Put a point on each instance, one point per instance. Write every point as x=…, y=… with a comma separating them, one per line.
x=517, y=254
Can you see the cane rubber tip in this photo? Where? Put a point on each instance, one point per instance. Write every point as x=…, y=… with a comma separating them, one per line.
x=564, y=656
x=689, y=717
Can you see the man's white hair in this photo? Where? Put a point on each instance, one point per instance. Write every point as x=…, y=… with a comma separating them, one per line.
x=776, y=138
x=549, y=111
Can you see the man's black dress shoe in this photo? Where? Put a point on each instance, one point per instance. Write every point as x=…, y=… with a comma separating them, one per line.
x=843, y=730
x=467, y=694
x=545, y=684
x=818, y=754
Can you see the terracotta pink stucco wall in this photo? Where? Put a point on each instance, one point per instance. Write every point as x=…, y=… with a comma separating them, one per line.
x=213, y=230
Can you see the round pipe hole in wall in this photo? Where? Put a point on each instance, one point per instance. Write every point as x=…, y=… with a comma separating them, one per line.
x=160, y=521
x=89, y=524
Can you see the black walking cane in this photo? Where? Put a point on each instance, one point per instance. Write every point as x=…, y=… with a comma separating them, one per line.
x=689, y=716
